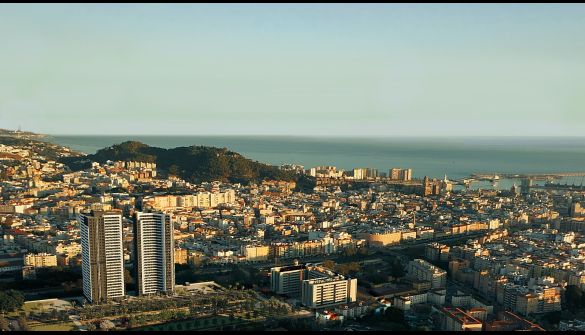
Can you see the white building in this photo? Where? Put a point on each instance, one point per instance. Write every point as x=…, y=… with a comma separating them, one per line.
x=154, y=249
x=328, y=291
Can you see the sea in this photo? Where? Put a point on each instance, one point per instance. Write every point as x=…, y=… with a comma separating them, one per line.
x=435, y=157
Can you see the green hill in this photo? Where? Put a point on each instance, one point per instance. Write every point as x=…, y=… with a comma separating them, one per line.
x=193, y=163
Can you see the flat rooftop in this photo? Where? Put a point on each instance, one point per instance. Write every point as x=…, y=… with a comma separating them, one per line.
x=202, y=287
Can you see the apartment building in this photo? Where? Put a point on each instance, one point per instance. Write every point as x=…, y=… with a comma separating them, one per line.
x=423, y=270
x=456, y=319
x=102, y=255
x=316, y=286
x=255, y=253
x=42, y=260
x=287, y=280
x=437, y=252
x=328, y=291
x=154, y=247
x=400, y=174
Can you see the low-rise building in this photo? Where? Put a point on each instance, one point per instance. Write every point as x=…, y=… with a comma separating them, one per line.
x=42, y=260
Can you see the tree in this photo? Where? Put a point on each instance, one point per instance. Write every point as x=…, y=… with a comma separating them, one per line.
x=10, y=301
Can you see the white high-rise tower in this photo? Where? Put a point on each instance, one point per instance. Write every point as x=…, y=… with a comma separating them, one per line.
x=154, y=250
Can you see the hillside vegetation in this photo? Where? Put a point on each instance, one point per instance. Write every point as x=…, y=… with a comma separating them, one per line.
x=193, y=163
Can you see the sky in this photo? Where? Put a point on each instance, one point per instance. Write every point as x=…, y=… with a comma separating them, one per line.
x=294, y=69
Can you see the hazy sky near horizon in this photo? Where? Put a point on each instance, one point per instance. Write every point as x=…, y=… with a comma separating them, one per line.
x=294, y=69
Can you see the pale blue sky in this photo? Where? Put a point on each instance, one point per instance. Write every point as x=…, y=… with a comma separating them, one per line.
x=297, y=69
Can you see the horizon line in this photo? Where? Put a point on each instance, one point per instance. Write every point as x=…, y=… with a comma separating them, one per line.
x=319, y=136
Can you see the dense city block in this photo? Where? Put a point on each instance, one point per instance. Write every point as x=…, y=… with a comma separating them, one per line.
x=133, y=241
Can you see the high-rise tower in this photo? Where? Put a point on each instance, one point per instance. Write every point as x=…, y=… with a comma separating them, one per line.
x=154, y=250
x=102, y=255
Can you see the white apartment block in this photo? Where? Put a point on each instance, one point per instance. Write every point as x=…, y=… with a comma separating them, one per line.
x=316, y=286
x=328, y=291
x=154, y=249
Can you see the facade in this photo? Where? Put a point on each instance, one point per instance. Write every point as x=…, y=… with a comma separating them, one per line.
x=437, y=252
x=383, y=239
x=353, y=310
x=317, y=286
x=400, y=174
x=181, y=256
x=359, y=174
x=256, y=252
x=372, y=173
x=423, y=270
x=405, y=302
x=577, y=210
x=154, y=248
x=430, y=187
x=201, y=199
x=41, y=260
x=328, y=291
x=531, y=301
x=287, y=279
x=102, y=255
